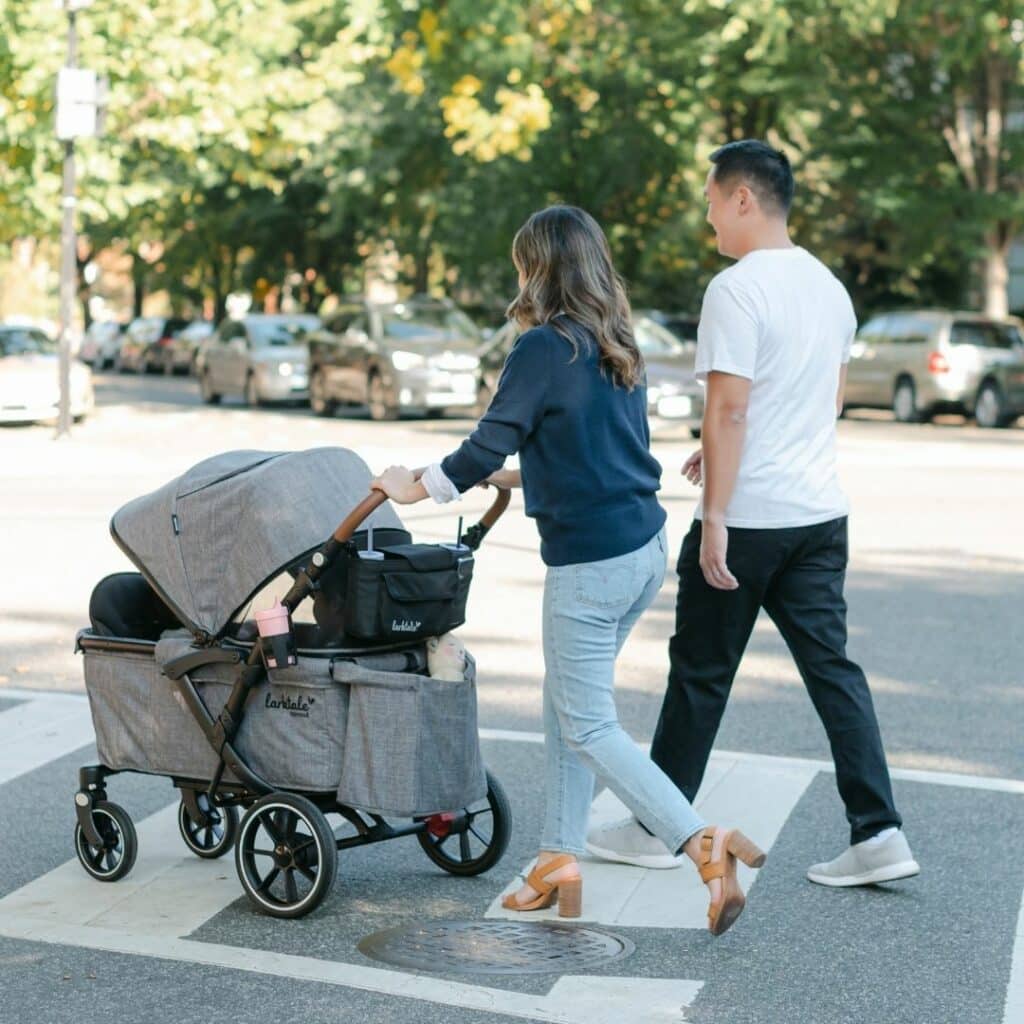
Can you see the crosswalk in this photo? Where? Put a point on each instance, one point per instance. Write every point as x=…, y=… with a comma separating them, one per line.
x=169, y=895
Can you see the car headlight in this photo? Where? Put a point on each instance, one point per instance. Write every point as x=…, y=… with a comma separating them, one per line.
x=287, y=369
x=406, y=360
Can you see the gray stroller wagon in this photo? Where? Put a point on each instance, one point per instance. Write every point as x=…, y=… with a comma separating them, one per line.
x=181, y=684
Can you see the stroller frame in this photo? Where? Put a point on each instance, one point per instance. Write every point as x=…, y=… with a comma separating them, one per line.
x=109, y=835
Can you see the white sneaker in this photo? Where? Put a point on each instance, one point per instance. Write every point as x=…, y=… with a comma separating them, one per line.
x=625, y=842
x=867, y=863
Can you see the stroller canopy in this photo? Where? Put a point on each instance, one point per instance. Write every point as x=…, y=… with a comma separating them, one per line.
x=209, y=540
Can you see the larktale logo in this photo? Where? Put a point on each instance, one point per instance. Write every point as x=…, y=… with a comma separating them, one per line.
x=298, y=706
x=404, y=626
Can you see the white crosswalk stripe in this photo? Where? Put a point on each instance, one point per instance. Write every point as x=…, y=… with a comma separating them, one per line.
x=170, y=894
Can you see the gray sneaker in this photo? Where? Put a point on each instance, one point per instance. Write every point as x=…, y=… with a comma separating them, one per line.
x=625, y=842
x=868, y=863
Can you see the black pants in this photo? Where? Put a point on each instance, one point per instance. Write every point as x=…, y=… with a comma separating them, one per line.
x=797, y=576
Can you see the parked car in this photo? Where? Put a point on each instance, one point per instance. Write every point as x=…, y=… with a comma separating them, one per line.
x=30, y=382
x=180, y=352
x=414, y=356
x=922, y=362
x=144, y=343
x=262, y=357
x=682, y=325
x=102, y=343
x=673, y=391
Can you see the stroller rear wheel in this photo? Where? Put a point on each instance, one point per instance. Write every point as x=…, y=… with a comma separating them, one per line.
x=472, y=840
x=286, y=855
x=211, y=840
x=116, y=857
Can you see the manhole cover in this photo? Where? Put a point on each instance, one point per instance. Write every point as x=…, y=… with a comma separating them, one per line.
x=494, y=947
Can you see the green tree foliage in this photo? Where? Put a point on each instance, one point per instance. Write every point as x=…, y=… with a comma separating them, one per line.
x=281, y=143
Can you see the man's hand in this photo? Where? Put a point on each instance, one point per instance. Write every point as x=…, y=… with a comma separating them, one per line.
x=714, y=543
x=693, y=468
x=400, y=485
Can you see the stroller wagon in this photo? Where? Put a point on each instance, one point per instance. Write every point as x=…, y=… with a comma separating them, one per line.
x=342, y=719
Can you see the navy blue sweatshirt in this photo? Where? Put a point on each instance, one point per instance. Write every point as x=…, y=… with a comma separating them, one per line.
x=589, y=479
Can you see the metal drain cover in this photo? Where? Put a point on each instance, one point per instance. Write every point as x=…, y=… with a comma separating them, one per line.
x=494, y=947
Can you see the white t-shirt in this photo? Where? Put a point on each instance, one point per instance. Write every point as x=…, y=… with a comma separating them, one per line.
x=780, y=318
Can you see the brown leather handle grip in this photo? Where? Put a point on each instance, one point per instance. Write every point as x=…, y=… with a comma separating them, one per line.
x=375, y=499
x=355, y=518
x=498, y=506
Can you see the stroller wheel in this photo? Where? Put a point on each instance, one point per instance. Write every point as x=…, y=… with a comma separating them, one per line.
x=212, y=840
x=286, y=855
x=475, y=838
x=115, y=858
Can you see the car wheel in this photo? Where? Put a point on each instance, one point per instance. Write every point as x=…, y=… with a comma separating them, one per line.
x=381, y=408
x=252, y=392
x=318, y=400
x=209, y=396
x=904, y=402
x=990, y=407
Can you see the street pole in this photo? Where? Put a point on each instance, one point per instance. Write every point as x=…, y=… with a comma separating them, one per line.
x=68, y=255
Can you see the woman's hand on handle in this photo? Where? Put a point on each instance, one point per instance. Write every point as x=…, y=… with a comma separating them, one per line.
x=400, y=484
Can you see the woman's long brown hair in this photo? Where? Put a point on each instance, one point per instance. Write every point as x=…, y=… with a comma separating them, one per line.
x=564, y=256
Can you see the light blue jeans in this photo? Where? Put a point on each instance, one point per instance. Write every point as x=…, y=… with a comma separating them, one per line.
x=589, y=610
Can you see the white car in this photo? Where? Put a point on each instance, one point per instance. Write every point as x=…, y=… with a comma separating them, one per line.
x=102, y=343
x=29, y=378
x=262, y=357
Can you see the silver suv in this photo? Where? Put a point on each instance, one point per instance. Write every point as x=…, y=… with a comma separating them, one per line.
x=922, y=362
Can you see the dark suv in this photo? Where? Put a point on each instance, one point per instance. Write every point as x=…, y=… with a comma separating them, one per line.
x=419, y=355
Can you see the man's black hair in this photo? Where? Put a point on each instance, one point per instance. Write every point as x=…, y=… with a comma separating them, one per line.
x=762, y=168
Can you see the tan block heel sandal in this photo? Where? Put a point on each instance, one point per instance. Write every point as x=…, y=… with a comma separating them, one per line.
x=723, y=912
x=568, y=892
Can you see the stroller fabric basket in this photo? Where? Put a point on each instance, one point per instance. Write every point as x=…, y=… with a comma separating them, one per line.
x=389, y=740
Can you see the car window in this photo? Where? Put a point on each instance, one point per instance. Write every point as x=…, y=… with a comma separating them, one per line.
x=24, y=341
x=267, y=333
x=683, y=327
x=984, y=335
x=408, y=323
x=908, y=328
x=654, y=340
x=874, y=328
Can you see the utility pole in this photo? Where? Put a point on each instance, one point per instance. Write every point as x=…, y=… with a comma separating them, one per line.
x=77, y=112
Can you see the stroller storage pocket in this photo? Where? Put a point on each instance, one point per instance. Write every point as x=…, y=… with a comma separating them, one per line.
x=414, y=591
x=411, y=746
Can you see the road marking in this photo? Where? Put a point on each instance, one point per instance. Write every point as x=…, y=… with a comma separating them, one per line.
x=1014, y=1012
x=43, y=728
x=168, y=897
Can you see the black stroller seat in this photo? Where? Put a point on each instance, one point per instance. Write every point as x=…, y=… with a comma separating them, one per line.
x=125, y=605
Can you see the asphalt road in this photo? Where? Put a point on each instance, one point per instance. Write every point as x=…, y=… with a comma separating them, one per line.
x=935, y=589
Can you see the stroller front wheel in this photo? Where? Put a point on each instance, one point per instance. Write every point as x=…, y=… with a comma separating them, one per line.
x=286, y=855
x=474, y=839
x=211, y=840
x=120, y=847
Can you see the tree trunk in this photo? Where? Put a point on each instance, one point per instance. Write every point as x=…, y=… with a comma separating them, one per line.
x=996, y=270
x=138, y=283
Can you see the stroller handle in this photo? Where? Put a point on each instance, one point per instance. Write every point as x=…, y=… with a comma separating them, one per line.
x=375, y=499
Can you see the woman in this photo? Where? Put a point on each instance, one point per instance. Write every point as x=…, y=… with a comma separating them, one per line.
x=571, y=401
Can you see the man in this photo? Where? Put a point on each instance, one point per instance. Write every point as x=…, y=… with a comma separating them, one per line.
x=771, y=530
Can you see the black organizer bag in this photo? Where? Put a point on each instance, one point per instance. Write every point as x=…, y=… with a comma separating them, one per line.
x=413, y=591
